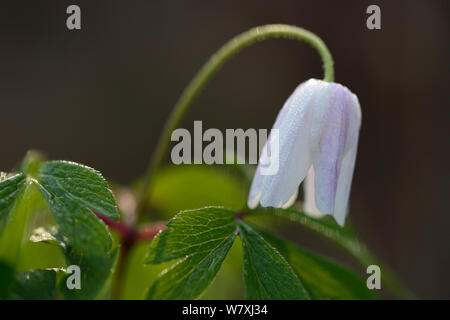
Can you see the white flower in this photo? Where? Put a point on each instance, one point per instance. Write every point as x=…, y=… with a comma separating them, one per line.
x=318, y=129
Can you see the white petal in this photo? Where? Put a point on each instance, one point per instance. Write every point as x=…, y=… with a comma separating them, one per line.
x=291, y=200
x=255, y=189
x=253, y=201
x=294, y=157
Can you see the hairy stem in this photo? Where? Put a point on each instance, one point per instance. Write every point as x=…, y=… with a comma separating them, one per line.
x=207, y=71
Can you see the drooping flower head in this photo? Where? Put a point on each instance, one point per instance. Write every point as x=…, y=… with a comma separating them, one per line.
x=316, y=136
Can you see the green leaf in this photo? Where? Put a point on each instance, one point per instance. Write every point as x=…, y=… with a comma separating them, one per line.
x=347, y=239
x=95, y=269
x=72, y=192
x=325, y=226
x=10, y=191
x=323, y=278
x=200, y=239
x=35, y=285
x=267, y=274
x=40, y=256
x=95, y=273
x=228, y=283
x=17, y=202
x=183, y=187
x=6, y=279
x=81, y=183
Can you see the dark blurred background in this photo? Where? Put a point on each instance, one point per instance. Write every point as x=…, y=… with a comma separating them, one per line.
x=100, y=95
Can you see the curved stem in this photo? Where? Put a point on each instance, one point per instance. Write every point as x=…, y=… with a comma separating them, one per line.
x=207, y=71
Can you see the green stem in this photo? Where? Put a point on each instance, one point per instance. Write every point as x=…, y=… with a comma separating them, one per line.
x=207, y=71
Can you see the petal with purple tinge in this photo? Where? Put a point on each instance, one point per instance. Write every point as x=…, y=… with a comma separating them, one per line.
x=328, y=137
x=348, y=163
